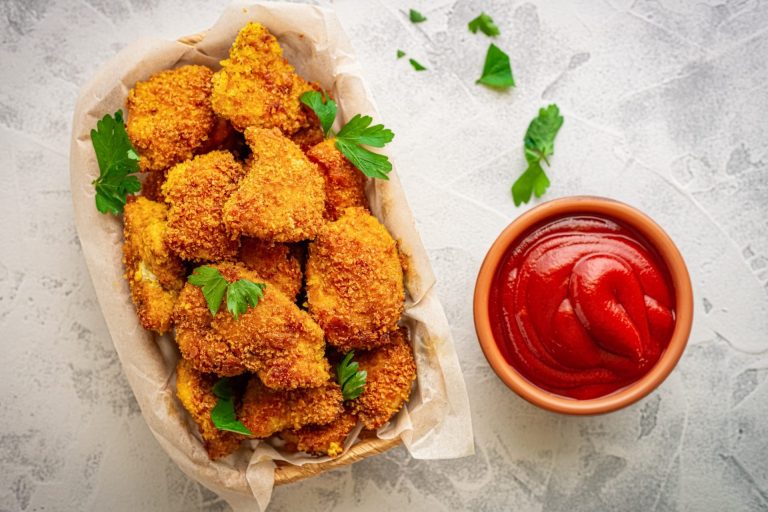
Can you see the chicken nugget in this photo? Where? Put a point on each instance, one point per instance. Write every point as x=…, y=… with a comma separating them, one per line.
x=195, y=391
x=391, y=372
x=311, y=135
x=344, y=184
x=273, y=262
x=154, y=275
x=321, y=439
x=275, y=339
x=257, y=87
x=266, y=411
x=281, y=197
x=196, y=190
x=355, y=282
x=170, y=116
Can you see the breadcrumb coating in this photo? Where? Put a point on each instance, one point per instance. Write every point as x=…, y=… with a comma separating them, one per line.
x=321, y=439
x=273, y=262
x=170, y=116
x=154, y=275
x=311, y=135
x=195, y=391
x=281, y=197
x=344, y=184
x=257, y=87
x=265, y=411
x=354, y=282
x=276, y=340
x=391, y=372
x=197, y=190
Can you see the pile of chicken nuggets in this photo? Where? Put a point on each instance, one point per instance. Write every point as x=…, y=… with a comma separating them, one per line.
x=238, y=176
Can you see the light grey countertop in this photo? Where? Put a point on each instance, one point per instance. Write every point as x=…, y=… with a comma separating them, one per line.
x=666, y=107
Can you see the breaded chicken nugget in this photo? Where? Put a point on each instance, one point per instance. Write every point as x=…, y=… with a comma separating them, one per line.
x=265, y=411
x=311, y=135
x=170, y=116
x=257, y=87
x=154, y=275
x=344, y=184
x=355, y=282
x=195, y=391
x=321, y=439
x=273, y=262
x=196, y=190
x=281, y=198
x=391, y=372
x=276, y=340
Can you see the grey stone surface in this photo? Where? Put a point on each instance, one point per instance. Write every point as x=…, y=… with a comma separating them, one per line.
x=665, y=104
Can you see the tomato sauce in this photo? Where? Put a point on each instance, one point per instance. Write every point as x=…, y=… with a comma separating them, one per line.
x=582, y=306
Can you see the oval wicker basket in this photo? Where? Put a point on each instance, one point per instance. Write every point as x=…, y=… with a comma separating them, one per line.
x=367, y=445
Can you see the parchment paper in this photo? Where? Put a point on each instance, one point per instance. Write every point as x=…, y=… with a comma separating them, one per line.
x=436, y=422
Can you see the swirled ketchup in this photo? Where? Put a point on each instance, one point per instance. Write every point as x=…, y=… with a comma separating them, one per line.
x=582, y=305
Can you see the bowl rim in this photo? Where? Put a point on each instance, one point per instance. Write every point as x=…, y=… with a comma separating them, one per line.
x=679, y=276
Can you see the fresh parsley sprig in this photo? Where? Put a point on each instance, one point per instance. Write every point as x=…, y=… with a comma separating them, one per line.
x=497, y=71
x=240, y=294
x=351, y=380
x=223, y=413
x=118, y=164
x=539, y=145
x=485, y=24
x=357, y=133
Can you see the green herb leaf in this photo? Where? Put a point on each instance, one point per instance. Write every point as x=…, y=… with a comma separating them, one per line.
x=213, y=285
x=323, y=106
x=539, y=145
x=351, y=380
x=118, y=164
x=243, y=293
x=223, y=413
x=416, y=16
x=240, y=294
x=400, y=54
x=485, y=24
x=416, y=65
x=358, y=132
x=497, y=71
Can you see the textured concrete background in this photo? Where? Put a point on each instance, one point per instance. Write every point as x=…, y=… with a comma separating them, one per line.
x=665, y=106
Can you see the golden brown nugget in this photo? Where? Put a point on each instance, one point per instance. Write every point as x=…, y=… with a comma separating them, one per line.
x=391, y=372
x=265, y=411
x=321, y=439
x=281, y=197
x=276, y=340
x=170, y=116
x=195, y=391
x=196, y=190
x=154, y=275
x=355, y=282
x=344, y=184
x=257, y=87
x=273, y=262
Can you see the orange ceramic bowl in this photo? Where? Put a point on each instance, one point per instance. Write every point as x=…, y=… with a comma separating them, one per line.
x=679, y=278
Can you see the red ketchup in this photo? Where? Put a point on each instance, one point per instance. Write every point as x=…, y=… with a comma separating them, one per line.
x=582, y=306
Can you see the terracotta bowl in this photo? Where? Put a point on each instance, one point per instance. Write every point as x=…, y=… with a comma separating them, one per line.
x=679, y=277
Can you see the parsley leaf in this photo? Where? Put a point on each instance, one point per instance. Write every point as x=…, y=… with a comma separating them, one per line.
x=118, y=163
x=400, y=54
x=358, y=132
x=485, y=24
x=243, y=293
x=539, y=145
x=323, y=106
x=223, y=413
x=240, y=294
x=416, y=16
x=497, y=71
x=350, y=379
x=416, y=65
